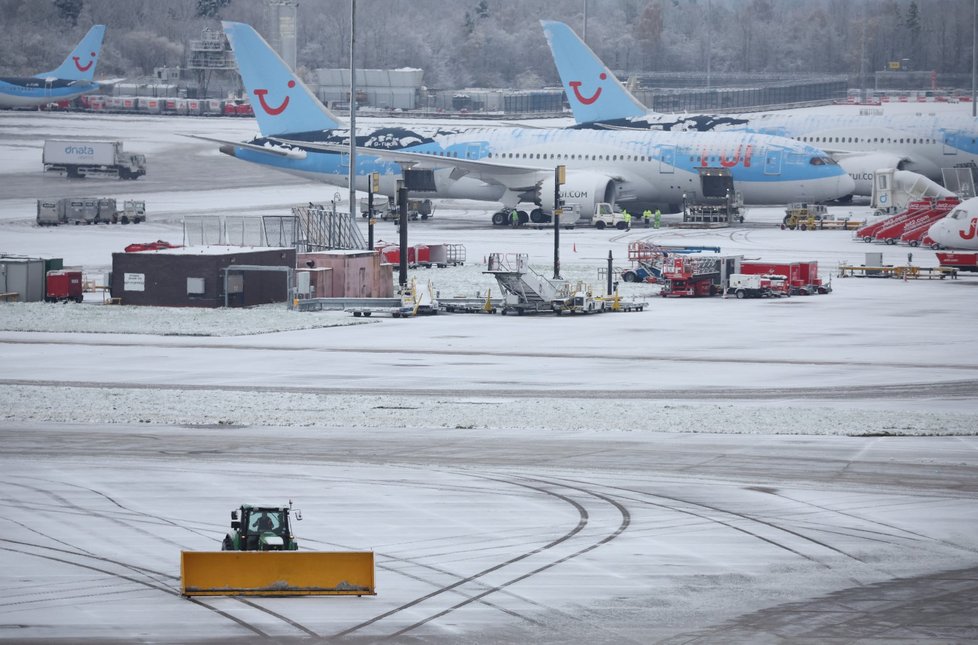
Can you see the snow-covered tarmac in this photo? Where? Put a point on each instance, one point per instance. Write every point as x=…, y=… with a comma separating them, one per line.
x=633, y=477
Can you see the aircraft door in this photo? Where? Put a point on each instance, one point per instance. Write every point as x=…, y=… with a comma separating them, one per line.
x=773, y=159
x=949, y=148
x=667, y=159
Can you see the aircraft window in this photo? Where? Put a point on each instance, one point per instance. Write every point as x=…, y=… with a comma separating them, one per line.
x=915, y=141
x=957, y=214
x=614, y=158
x=816, y=161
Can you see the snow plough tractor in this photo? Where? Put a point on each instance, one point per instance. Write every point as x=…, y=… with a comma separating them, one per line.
x=260, y=557
x=261, y=528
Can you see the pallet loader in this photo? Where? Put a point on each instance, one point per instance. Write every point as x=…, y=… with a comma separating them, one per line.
x=260, y=557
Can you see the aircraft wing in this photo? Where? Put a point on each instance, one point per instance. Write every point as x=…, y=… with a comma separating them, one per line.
x=511, y=176
x=295, y=154
x=110, y=81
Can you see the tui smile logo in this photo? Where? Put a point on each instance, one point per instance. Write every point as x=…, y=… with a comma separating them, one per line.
x=972, y=230
x=84, y=68
x=274, y=111
x=586, y=100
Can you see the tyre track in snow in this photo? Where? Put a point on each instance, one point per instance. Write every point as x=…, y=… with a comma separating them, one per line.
x=794, y=540
x=154, y=579
x=433, y=603
x=957, y=389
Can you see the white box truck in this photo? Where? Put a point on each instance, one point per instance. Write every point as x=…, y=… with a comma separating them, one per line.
x=92, y=158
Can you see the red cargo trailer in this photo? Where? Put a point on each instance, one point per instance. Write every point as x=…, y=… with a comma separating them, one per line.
x=63, y=286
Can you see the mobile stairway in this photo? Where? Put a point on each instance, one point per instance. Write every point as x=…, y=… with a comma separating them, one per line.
x=891, y=228
x=525, y=290
x=915, y=234
x=923, y=217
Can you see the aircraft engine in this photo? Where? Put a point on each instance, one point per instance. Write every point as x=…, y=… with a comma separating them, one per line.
x=584, y=189
x=862, y=168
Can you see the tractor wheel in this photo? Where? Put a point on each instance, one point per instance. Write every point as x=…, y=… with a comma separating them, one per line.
x=599, y=225
x=621, y=226
x=227, y=545
x=740, y=294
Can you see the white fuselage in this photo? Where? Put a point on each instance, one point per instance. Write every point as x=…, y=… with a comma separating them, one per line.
x=959, y=230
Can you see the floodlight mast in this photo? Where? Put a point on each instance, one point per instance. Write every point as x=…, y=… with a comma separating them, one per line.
x=353, y=107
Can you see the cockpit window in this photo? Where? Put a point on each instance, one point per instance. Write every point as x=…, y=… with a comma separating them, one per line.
x=822, y=161
x=957, y=213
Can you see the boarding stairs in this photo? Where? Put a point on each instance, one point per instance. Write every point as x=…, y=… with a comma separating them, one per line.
x=915, y=234
x=525, y=290
x=868, y=233
x=929, y=212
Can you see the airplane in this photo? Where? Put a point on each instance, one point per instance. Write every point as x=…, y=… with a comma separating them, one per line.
x=515, y=165
x=959, y=229
x=72, y=78
x=860, y=143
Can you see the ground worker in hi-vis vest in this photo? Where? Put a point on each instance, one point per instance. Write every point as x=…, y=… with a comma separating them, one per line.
x=647, y=217
x=625, y=215
x=658, y=218
x=514, y=218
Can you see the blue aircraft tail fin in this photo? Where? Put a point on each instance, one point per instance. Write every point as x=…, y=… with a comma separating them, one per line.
x=592, y=90
x=281, y=101
x=80, y=64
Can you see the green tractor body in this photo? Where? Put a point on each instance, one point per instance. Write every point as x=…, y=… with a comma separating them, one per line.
x=261, y=528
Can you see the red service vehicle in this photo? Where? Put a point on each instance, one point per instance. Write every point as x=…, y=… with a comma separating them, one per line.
x=685, y=277
x=150, y=246
x=63, y=286
x=802, y=277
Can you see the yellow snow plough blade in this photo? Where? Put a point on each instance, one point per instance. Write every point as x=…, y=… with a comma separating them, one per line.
x=277, y=573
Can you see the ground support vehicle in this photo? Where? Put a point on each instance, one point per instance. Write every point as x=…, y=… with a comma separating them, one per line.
x=136, y=247
x=747, y=285
x=524, y=290
x=387, y=210
x=929, y=212
x=918, y=213
x=570, y=216
x=803, y=215
x=261, y=528
x=92, y=158
x=63, y=285
x=696, y=275
x=647, y=258
x=605, y=216
x=89, y=210
x=801, y=277
x=815, y=217
x=260, y=557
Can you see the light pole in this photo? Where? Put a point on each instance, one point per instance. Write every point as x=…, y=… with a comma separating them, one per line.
x=353, y=108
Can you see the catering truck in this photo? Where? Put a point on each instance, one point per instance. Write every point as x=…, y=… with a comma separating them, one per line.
x=92, y=159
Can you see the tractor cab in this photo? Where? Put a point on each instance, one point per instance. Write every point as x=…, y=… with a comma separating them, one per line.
x=261, y=528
